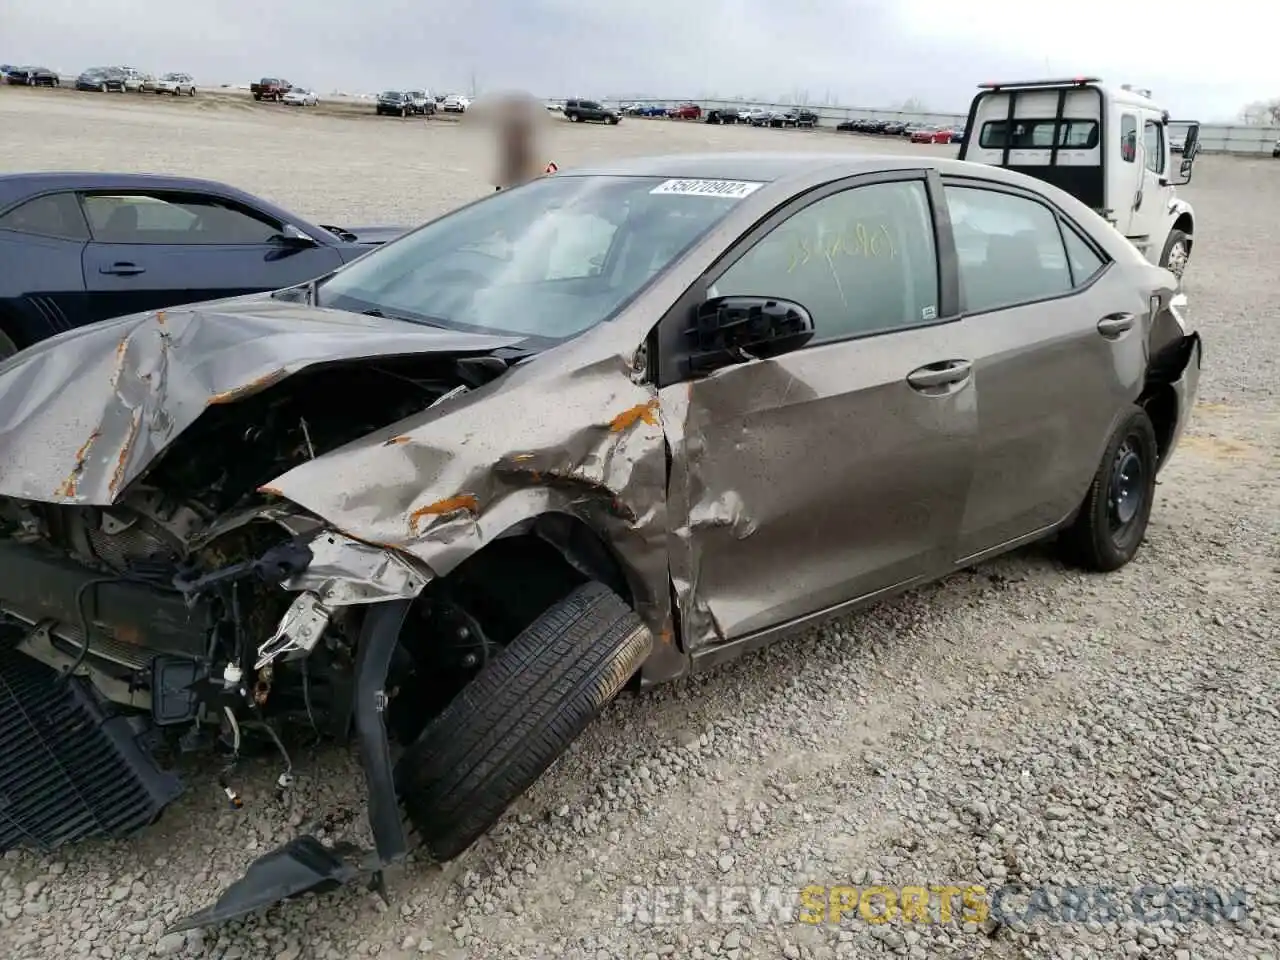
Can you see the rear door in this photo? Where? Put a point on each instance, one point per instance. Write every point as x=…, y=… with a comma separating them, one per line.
x=158, y=249
x=1057, y=340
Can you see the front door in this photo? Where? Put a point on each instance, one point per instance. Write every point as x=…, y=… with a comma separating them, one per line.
x=840, y=470
x=1058, y=349
x=1142, y=182
x=154, y=250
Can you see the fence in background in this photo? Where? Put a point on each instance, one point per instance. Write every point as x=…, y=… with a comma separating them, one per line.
x=1214, y=137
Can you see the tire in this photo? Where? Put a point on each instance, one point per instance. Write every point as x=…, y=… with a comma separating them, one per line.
x=102, y=88
x=191, y=92
x=1109, y=529
x=509, y=725
x=1177, y=250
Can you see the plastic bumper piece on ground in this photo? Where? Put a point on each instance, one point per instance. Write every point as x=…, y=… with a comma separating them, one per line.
x=304, y=864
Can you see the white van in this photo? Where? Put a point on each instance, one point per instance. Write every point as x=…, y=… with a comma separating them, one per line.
x=1108, y=147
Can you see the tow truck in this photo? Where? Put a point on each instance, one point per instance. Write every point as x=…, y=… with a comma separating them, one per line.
x=1107, y=146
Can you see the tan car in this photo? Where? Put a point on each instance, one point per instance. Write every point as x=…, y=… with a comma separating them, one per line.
x=612, y=424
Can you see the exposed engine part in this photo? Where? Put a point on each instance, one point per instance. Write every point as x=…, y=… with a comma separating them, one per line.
x=298, y=633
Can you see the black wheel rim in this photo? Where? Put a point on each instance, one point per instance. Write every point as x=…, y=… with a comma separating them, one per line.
x=1127, y=490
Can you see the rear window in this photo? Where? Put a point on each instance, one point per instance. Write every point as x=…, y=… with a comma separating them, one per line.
x=1037, y=134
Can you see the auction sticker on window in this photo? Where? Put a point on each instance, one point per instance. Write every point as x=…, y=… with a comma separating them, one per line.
x=733, y=189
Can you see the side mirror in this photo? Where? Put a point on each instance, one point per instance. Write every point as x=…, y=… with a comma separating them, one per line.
x=730, y=330
x=1190, y=149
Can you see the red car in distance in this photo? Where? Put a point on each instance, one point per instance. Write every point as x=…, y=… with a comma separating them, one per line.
x=686, y=111
x=930, y=135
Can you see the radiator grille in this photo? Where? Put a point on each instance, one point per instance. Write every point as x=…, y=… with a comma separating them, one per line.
x=68, y=771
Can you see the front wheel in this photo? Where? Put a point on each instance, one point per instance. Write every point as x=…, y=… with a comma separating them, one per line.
x=1176, y=253
x=1108, y=531
x=506, y=727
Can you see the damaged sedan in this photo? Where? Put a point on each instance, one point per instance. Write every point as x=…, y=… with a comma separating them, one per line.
x=606, y=428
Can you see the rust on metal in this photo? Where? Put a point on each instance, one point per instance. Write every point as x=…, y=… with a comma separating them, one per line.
x=394, y=441
x=125, y=449
x=647, y=411
x=463, y=501
x=248, y=389
x=68, y=486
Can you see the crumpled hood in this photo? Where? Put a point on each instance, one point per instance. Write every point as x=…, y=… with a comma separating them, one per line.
x=83, y=413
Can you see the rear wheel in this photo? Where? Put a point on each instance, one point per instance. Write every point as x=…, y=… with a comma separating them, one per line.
x=1108, y=531
x=515, y=719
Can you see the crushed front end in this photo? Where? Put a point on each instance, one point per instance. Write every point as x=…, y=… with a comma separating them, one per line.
x=156, y=600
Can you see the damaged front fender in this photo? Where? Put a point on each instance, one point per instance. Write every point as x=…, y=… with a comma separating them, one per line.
x=552, y=436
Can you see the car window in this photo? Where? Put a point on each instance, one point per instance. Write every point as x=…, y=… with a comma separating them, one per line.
x=56, y=215
x=173, y=218
x=1037, y=134
x=1084, y=261
x=1009, y=248
x=861, y=261
x=1128, y=137
x=1153, y=146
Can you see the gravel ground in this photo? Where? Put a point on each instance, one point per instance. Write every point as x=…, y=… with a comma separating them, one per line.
x=1018, y=723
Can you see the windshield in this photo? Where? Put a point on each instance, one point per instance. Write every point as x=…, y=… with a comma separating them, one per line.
x=547, y=260
x=391, y=95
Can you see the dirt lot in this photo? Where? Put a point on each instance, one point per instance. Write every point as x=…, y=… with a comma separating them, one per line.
x=1019, y=723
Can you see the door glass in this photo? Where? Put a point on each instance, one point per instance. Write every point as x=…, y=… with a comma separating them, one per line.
x=861, y=261
x=1084, y=262
x=1128, y=137
x=173, y=218
x=1153, y=146
x=1009, y=249
x=55, y=215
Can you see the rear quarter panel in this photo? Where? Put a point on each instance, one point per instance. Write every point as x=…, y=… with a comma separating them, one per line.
x=42, y=287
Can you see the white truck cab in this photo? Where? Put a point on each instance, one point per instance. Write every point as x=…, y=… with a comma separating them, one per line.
x=1108, y=147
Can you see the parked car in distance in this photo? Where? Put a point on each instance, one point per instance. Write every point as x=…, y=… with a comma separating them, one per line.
x=29, y=76
x=300, y=97
x=270, y=88
x=1275, y=149
x=651, y=111
x=798, y=117
x=435, y=438
x=176, y=84
x=79, y=247
x=924, y=134
x=759, y=118
x=893, y=128
x=102, y=80
x=393, y=103
x=555, y=107
x=136, y=81
x=686, y=111
x=722, y=116
x=590, y=110
x=455, y=103
x=421, y=102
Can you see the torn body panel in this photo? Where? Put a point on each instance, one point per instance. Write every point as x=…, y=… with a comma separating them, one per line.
x=551, y=437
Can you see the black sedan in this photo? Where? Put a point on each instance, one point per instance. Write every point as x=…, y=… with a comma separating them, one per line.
x=102, y=79
x=31, y=76
x=80, y=247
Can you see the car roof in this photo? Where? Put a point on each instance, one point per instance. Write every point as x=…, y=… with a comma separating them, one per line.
x=778, y=166
x=18, y=186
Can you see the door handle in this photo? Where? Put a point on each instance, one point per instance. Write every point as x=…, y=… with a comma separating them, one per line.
x=123, y=269
x=1115, y=324
x=941, y=374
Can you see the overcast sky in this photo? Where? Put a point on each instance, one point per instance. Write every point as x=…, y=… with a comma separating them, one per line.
x=1203, y=62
